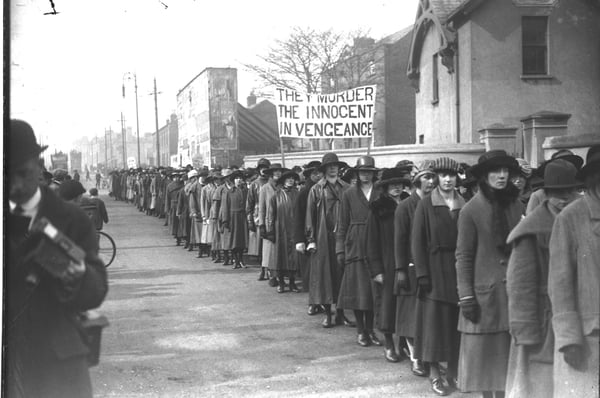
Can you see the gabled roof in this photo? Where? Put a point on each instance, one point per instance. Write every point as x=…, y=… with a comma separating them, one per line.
x=394, y=37
x=444, y=8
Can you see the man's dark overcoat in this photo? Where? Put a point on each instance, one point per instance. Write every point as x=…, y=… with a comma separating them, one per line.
x=45, y=355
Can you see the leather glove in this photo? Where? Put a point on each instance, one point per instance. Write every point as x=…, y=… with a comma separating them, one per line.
x=423, y=287
x=300, y=247
x=251, y=226
x=263, y=231
x=573, y=355
x=341, y=260
x=402, y=279
x=470, y=309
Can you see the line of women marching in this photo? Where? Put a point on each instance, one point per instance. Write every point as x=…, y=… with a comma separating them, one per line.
x=485, y=283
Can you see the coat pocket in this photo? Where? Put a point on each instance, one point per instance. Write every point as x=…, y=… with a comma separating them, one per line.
x=493, y=301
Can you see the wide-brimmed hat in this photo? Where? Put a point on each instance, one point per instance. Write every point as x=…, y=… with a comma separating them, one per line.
x=263, y=163
x=236, y=174
x=310, y=167
x=592, y=163
x=274, y=167
x=70, y=189
x=365, y=163
x=445, y=164
x=22, y=143
x=286, y=175
x=394, y=175
x=331, y=159
x=561, y=174
x=493, y=160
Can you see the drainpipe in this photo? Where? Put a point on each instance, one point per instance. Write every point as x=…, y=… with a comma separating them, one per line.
x=457, y=91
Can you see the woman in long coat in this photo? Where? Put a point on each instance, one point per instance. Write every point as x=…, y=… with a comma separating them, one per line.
x=233, y=218
x=207, y=225
x=380, y=253
x=433, y=242
x=406, y=278
x=574, y=288
x=481, y=260
x=171, y=204
x=183, y=212
x=195, y=212
x=529, y=311
x=280, y=226
x=356, y=290
x=321, y=222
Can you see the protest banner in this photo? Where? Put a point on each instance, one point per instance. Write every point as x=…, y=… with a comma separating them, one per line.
x=346, y=114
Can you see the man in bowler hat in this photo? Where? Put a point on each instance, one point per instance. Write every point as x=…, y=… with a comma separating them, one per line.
x=45, y=354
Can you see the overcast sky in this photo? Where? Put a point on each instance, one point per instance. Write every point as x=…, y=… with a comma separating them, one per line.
x=67, y=69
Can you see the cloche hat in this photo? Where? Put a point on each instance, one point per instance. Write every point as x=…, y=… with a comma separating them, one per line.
x=394, y=175
x=365, y=163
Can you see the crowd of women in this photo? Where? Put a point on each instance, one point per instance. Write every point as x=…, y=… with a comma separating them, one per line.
x=486, y=279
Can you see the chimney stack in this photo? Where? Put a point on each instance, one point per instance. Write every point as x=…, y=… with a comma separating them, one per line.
x=251, y=100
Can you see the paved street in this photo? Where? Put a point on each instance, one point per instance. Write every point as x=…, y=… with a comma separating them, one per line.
x=185, y=327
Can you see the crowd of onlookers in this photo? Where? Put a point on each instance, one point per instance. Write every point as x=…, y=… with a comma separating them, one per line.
x=485, y=276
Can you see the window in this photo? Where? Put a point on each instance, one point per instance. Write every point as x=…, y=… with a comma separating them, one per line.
x=435, y=87
x=421, y=139
x=535, y=45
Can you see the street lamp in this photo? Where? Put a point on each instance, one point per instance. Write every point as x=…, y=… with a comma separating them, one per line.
x=137, y=119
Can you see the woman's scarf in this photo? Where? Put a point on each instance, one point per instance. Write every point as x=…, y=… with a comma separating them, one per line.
x=500, y=200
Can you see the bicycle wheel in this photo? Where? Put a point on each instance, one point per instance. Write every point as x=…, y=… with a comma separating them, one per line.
x=107, y=250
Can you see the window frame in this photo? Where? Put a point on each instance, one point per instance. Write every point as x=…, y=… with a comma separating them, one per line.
x=435, y=83
x=529, y=46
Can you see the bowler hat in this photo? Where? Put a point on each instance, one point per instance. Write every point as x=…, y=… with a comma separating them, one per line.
x=394, y=175
x=22, y=143
x=492, y=160
x=445, y=164
x=592, y=163
x=274, y=167
x=70, y=189
x=561, y=174
x=286, y=175
x=365, y=163
x=331, y=159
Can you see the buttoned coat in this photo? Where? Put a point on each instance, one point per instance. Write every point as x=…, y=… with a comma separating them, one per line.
x=380, y=260
x=406, y=303
x=171, y=205
x=321, y=222
x=433, y=242
x=481, y=265
x=207, y=223
x=233, y=218
x=254, y=239
x=267, y=191
x=42, y=339
x=574, y=289
x=280, y=222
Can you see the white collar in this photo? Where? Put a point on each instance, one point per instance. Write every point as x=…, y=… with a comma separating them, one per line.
x=29, y=207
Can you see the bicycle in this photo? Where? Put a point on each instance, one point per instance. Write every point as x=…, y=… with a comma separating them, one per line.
x=107, y=250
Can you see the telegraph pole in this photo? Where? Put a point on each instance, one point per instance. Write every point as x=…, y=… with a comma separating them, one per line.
x=124, y=142
x=156, y=122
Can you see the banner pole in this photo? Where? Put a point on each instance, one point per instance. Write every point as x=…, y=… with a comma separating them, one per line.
x=369, y=147
x=282, y=153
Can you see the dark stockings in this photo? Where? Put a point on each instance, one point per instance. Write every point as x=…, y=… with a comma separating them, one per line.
x=364, y=321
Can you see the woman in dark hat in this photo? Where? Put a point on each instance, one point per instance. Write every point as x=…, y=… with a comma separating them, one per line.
x=321, y=221
x=574, y=287
x=530, y=315
x=311, y=176
x=254, y=239
x=433, y=242
x=405, y=288
x=468, y=187
x=233, y=218
x=539, y=196
x=280, y=223
x=380, y=252
x=481, y=259
x=356, y=292
x=267, y=191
